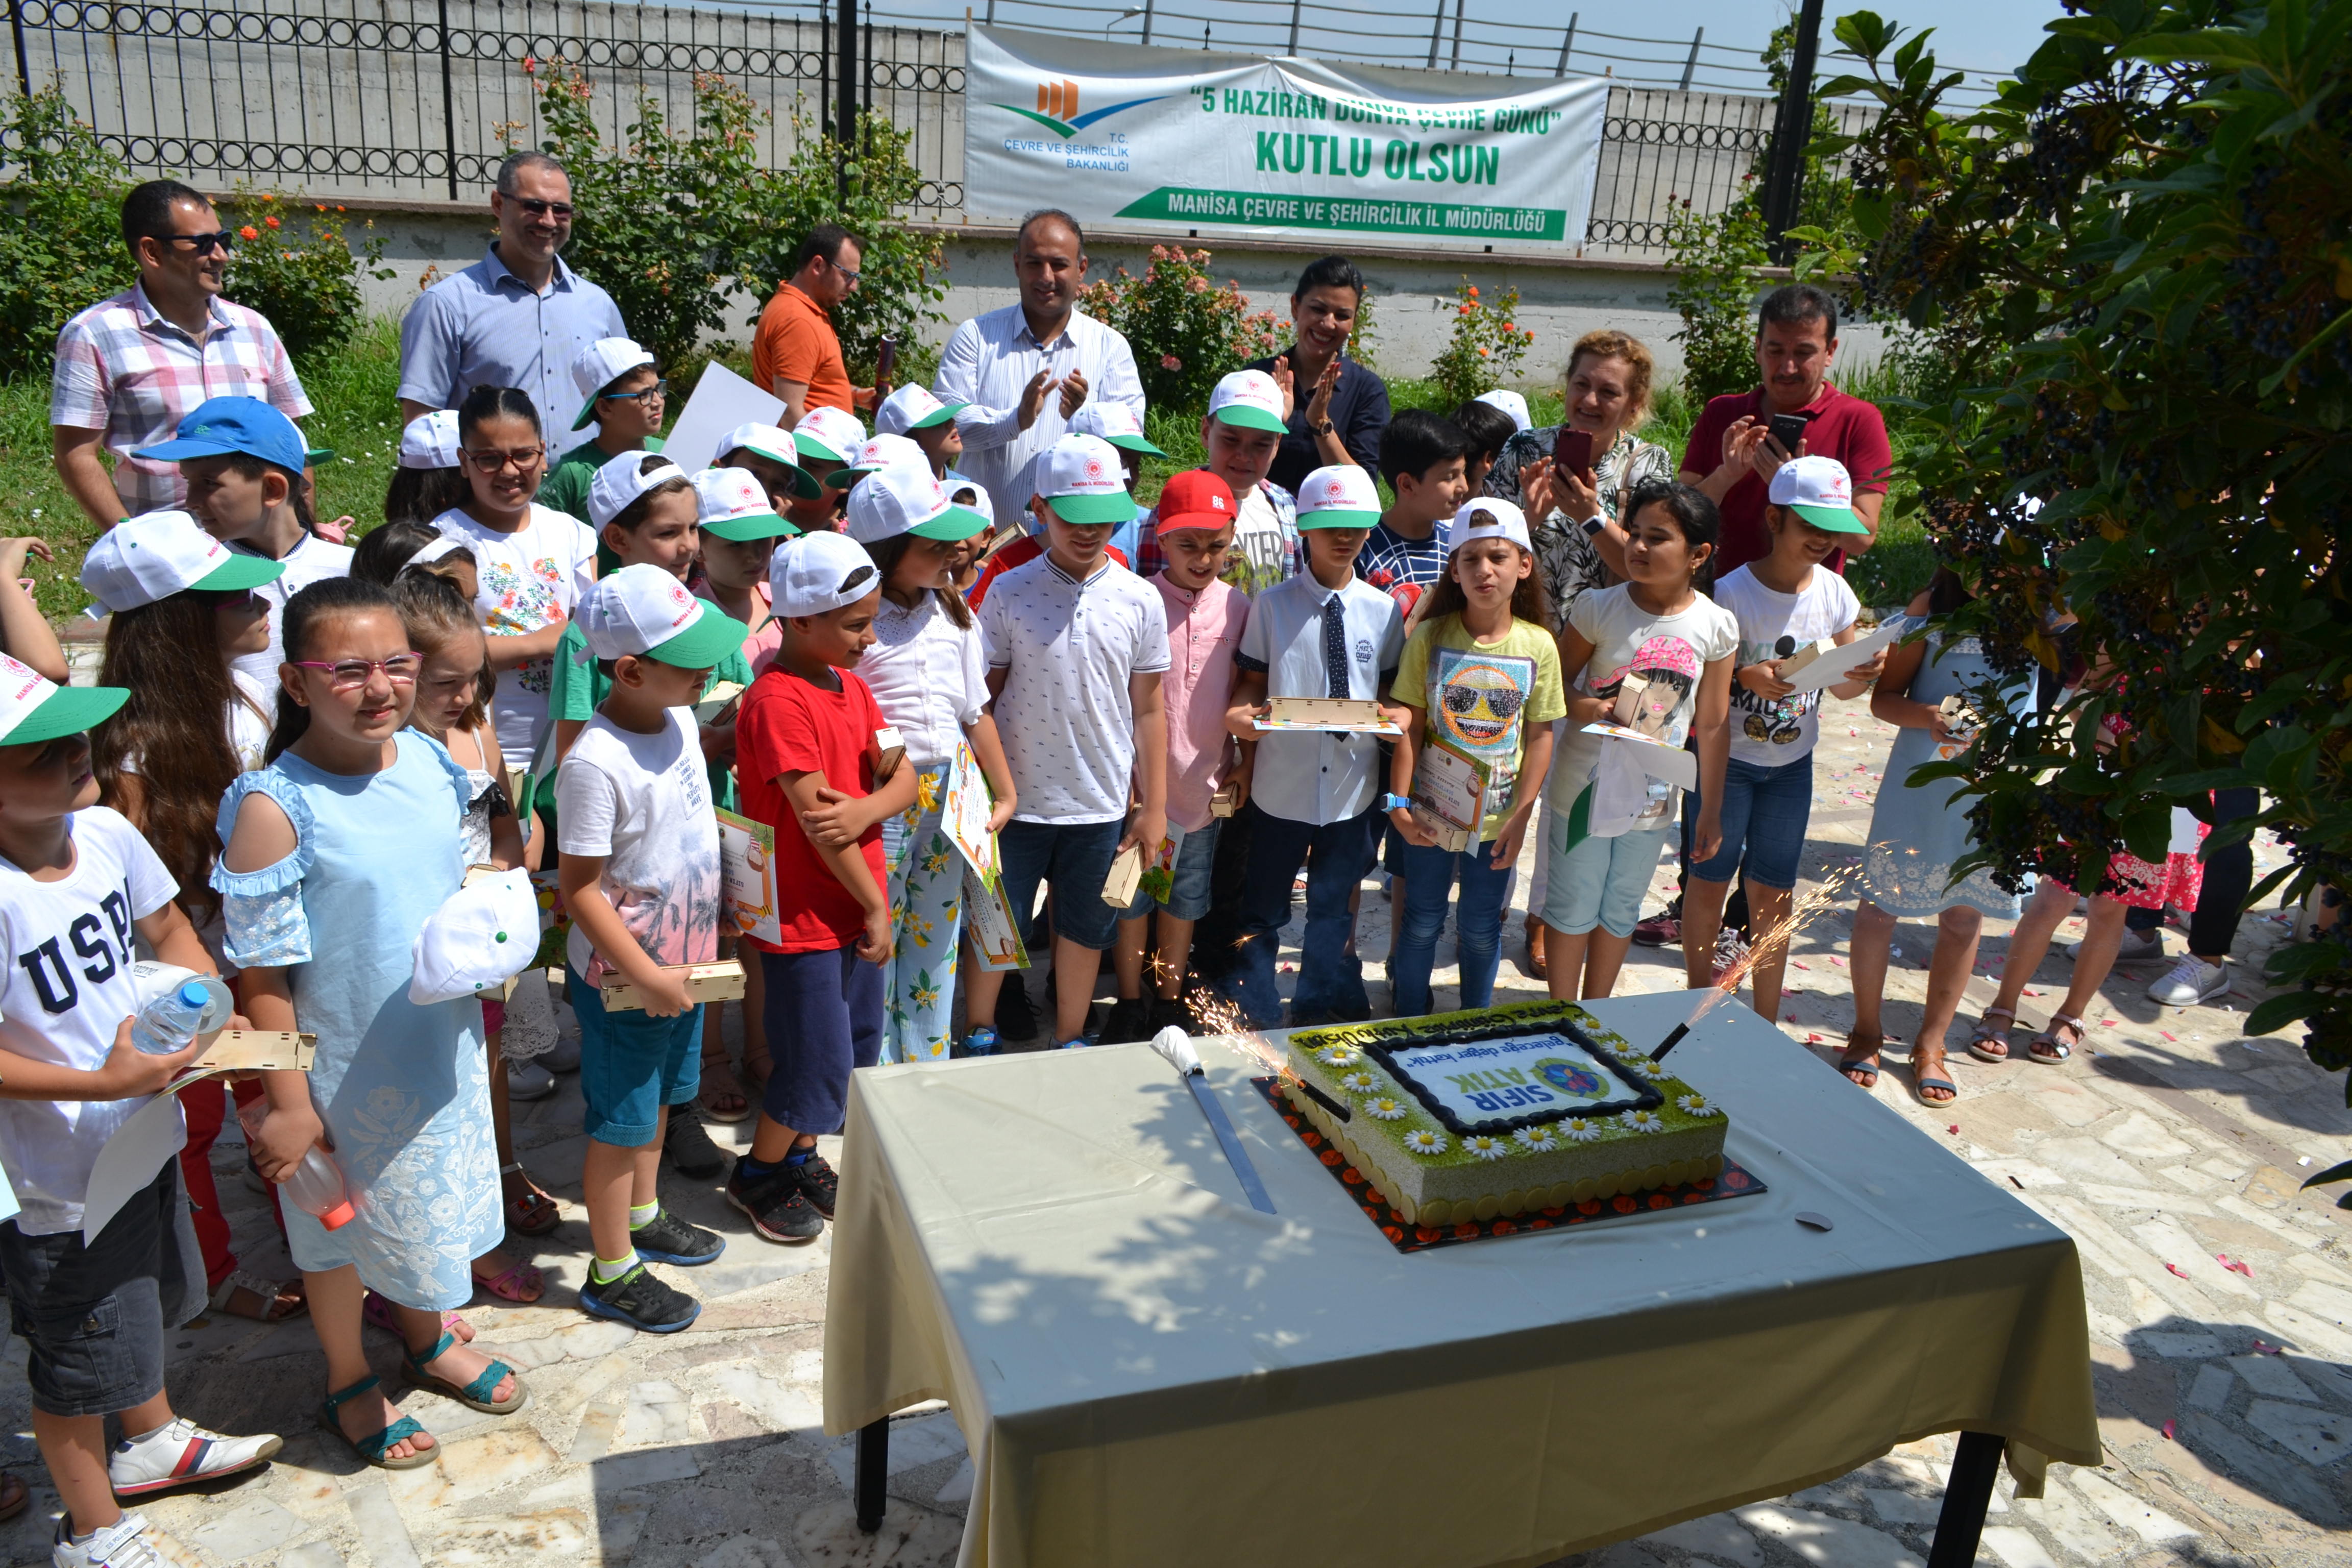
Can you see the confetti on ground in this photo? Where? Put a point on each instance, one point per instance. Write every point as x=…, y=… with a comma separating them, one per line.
x=2182, y=1273
x=2107, y=1022
x=1954, y=1130
x=1812, y=1039
x=2238, y=1267
x=2167, y=1431
x=1800, y=964
x=2167, y=1036
x=2018, y=1185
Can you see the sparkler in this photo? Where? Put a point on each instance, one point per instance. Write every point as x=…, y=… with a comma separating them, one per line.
x=1803, y=912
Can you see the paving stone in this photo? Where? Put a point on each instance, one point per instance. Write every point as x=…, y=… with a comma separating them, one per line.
x=779, y=1407
x=1904, y=1508
x=2017, y=1548
x=913, y=1444
x=584, y=1340
x=742, y=1552
x=2167, y=1243
x=557, y=1533
x=956, y=1490
x=2270, y=1375
x=2283, y=1482
x=2126, y=1510
x=381, y=1527
x=247, y=1530
x=2177, y=1346
x=2141, y=1134
x=1717, y=1535
x=2079, y=1530
x=310, y=1555
x=910, y=1537
x=2310, y=1436
x=2211, y=1389
x=1820, y=1537
x=657, y=1414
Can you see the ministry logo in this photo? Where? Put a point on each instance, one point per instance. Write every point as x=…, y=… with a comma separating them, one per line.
x=1057, y=108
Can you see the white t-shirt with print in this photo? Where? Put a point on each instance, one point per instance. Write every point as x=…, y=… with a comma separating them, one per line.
x=1669, y=652
x=312, y=559
x=643, y=803
x=527, y=580
x=70, y=946
x=1768, y=732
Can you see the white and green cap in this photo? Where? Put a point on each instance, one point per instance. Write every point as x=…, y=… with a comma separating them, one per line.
x=776, y=446
x=905, y=498
x=912, y=407
x=874, y=455
x=34, y=708
x=624, y=479
x=1339, y=496
x=733, y=504
x=1820, y=490
x=828, y=439
x=1249, y=398
x=1085, y=481
x=643, y=611
x=159, y=553
x=1115, y=423
x=598, y=367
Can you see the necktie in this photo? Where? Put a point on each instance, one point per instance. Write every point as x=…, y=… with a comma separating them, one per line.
x=1335, y=647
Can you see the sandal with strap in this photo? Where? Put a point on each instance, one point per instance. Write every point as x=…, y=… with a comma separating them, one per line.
x=522, y=1283
x=274, y=1295
x=2047, y=1048
x=371, y=1449
x=722, y=1098
x=1852, y=1060
x=1983, y=1041
x=379, y=1314
x=475, y=1396
x=1921, y=1083
x=532, y=1214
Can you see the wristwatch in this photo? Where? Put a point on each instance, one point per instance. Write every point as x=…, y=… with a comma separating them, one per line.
x=1592, y=526
x=1396, y=803
x=1322, y=427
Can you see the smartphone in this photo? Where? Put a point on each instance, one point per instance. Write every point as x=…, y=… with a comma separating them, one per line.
x=1572, y=453
x=1788, y=430
x=885, y=361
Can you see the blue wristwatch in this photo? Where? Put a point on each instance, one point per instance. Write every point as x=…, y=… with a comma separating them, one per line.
x=1396, y=803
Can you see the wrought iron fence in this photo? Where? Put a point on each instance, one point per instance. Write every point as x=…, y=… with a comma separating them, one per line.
x=421, y=98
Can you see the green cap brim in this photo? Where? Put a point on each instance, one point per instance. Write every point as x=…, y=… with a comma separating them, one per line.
x=1337, y=519
x=314, y=456
x=1250, y=418
x=240, y=572
x=1135, y=444
x=1086, y=509
x=842, y=478
x=704, y=643
x=68, y=710
x=587, y=410
x=956, y=522
x=1828, y=519
x=809, y=447
x=939, y=415
x=743, y=530
x=804, y=483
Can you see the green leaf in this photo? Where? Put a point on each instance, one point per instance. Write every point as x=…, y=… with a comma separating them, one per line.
x=2278, y=1012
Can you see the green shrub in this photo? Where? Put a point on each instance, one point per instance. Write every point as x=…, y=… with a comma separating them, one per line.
x=1716, y=260
x=1185, y=332
x=1484, y=349
x=293, y=265
x=61, y=244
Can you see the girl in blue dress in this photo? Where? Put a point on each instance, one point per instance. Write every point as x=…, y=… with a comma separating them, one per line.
x=338, y=850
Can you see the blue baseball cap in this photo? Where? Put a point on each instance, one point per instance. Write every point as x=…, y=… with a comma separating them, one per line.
x=221, y=426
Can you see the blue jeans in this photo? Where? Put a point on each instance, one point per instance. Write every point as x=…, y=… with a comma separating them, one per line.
x=1429, y=875
x=1073, y=859
x=1765, y=813
x=1337, y=856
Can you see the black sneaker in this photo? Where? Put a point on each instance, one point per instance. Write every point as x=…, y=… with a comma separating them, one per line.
x=819, y=1184
x=1130, y=1019
x=691, y=1153
x=641, y=1299
x=774, y=1205
x=1016, y=1018
x=665, y=1239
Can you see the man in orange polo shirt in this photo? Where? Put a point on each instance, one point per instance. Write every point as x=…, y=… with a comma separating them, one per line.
x=795, y=354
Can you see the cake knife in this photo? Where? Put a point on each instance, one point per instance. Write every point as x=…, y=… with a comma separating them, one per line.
x=1171, y=1043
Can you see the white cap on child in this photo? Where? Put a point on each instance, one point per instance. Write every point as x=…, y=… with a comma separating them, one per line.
x=447, y=544
x=827, y=438
x=622, y=479
x=876, y=454
x=481, y=937
x=912, y=407
x=156, y=554
x=598, y=367
x=1249, y=398
x=643, y=610
x=1484, y=517
x=819, y=573
x=1511, y=402
x=967, y=491
x=1085, y=481
x=1339, y=495
x=904, y=499
x=430, y=441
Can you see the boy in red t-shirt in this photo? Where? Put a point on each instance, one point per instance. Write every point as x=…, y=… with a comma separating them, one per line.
x=805, y=757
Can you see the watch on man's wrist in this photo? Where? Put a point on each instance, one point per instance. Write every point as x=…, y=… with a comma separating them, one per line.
x=1396, y=803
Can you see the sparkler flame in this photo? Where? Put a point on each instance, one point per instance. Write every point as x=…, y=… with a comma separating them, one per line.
x=1223, y=1017
x=1803, y=912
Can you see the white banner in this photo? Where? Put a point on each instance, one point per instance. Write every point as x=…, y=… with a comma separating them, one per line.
x=1178, y=140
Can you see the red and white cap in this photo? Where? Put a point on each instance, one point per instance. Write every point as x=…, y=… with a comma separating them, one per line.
x=1250, y=399
x=643, y=610
x=1339, y=496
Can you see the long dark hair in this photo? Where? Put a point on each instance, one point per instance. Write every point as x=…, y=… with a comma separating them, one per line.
x=300, y=623
x=420, y=495
x=173, y=730
x=380, y=556
x=886, y=554
x=494, y=403
x=1529, y=603
x=1689, y=509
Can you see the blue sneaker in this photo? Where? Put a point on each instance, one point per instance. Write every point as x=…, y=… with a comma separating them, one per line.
x=980, y=1043
x=665, y=1239
x=1080, y=1043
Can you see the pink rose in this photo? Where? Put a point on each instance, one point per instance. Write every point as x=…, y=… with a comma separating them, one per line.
x=1170, y=362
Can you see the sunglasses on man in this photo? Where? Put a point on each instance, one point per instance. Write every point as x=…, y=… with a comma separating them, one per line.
x=538, y=208
x=225, y=240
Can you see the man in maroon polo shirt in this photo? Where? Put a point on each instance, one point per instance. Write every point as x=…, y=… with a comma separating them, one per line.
x=1732, y=456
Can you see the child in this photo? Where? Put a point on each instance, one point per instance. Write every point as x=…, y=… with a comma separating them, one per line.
x=1482, y=677
x=1117, y=424
x=1313, y=798
x=626, y=402
x=1485, y=427
x=1421, y=457
x=1206, y=619
x=243, y=460
x=1916, y=832
x=1240, y=435
x=640, y=876
x=338, y=851
x=379, y=557
x=1784, y=602
x=1077, y=645
x=190, y=726
x=1031, y=545
x=808, y=767
x=964, y=560
x=769, y=455
x=928, y=676
x=532, y=563
x=827, y=441
x=1612, y=822
x=912, y=411
x=75, y=877
x=429, y=477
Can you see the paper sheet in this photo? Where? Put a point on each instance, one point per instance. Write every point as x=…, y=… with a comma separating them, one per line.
x=721, y=401
x=132, y=1158
x=963, y=815
x=747, y=872
x=1829, y=668
x=1658, y=760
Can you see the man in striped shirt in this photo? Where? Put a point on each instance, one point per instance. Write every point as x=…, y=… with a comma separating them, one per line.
x=129, y=368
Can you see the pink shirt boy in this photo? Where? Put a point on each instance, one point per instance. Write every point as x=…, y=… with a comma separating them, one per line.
x=1203, y=630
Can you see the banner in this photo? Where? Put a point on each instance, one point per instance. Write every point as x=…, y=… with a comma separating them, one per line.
x=1184, y=140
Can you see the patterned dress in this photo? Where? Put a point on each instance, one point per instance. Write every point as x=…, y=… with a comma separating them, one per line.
x=1918, y=831
x=926, y=888
x=404, y=1091
x=1564, y=552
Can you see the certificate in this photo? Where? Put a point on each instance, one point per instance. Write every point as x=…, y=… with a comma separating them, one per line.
x=1342, y=715
x=964, y=810
x=989, y=921
x=1827, y=669
x=1658, y=759
x=1448, y=791
x=747, y=874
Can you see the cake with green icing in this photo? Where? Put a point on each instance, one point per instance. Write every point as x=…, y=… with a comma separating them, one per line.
x=1469, y=1115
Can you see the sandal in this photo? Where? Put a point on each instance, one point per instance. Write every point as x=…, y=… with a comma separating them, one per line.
x=2047, y=1048
x=1854, y=1059
x=1539, y=968
x=1921, y=1082
x=371, y=1448
x=377, y=1312
x=1988, y=1044
x=532, y=1214
x=475, y=1396
x=14, y=1496
x=721, y=1096
x=522, y=1283
x=278, y=1300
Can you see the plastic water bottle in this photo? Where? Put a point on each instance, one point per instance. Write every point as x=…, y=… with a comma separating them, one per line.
x=176, y=1005
x=316, y=1187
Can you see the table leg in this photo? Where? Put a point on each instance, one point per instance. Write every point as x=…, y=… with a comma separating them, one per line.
x=874, y=1468
x=1966, y=1494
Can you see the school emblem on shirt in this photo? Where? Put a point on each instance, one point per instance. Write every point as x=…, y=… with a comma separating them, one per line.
x=1364, y=652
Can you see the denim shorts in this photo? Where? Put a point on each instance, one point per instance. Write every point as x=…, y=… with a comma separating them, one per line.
x=631, y=1064
x=94, y=1315
x=1188, y=900
x=1074, y=859
x=1764, y=812
x=1602, y=881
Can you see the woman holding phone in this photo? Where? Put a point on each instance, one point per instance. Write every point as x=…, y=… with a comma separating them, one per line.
x=1572, y=480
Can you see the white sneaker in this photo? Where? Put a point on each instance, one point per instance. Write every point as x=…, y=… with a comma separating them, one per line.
x=128, y=1542
x=2190, y=982
x=528, y=1081
x=179, y=1453
x=2139, y=947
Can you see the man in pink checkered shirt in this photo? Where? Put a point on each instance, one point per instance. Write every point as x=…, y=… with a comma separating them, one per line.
x=129, y=368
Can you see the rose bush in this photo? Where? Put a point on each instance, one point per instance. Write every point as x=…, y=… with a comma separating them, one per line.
x=1185, y=332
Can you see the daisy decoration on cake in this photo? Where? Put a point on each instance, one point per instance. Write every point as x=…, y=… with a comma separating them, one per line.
x=1338, y=1056
x=1697, y=1105
x=1487, y=1147
x=1359, y=1082
x=1579, y=1130
x=1537, y=1140
x=1649, y=1068
x=1644, y=1121
x=1421, y=1141
x=1384, y=1109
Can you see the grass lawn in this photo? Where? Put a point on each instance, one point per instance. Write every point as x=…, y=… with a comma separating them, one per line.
x=355, y=391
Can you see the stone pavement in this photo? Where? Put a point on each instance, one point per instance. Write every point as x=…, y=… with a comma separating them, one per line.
x=2225, y=1393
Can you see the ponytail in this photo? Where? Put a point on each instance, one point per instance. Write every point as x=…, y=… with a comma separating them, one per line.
x=300, y=625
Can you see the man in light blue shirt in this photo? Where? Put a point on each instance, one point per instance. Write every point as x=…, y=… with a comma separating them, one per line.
x=517, y=317
x=1024, y=369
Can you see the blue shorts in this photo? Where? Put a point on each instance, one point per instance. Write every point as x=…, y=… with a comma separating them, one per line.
x=1765, y=813
x=1602, y=881
x=1074, y=858
x=823, y=1016
x=95, y=1315
x=1196, y=856
x=631, y=1064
